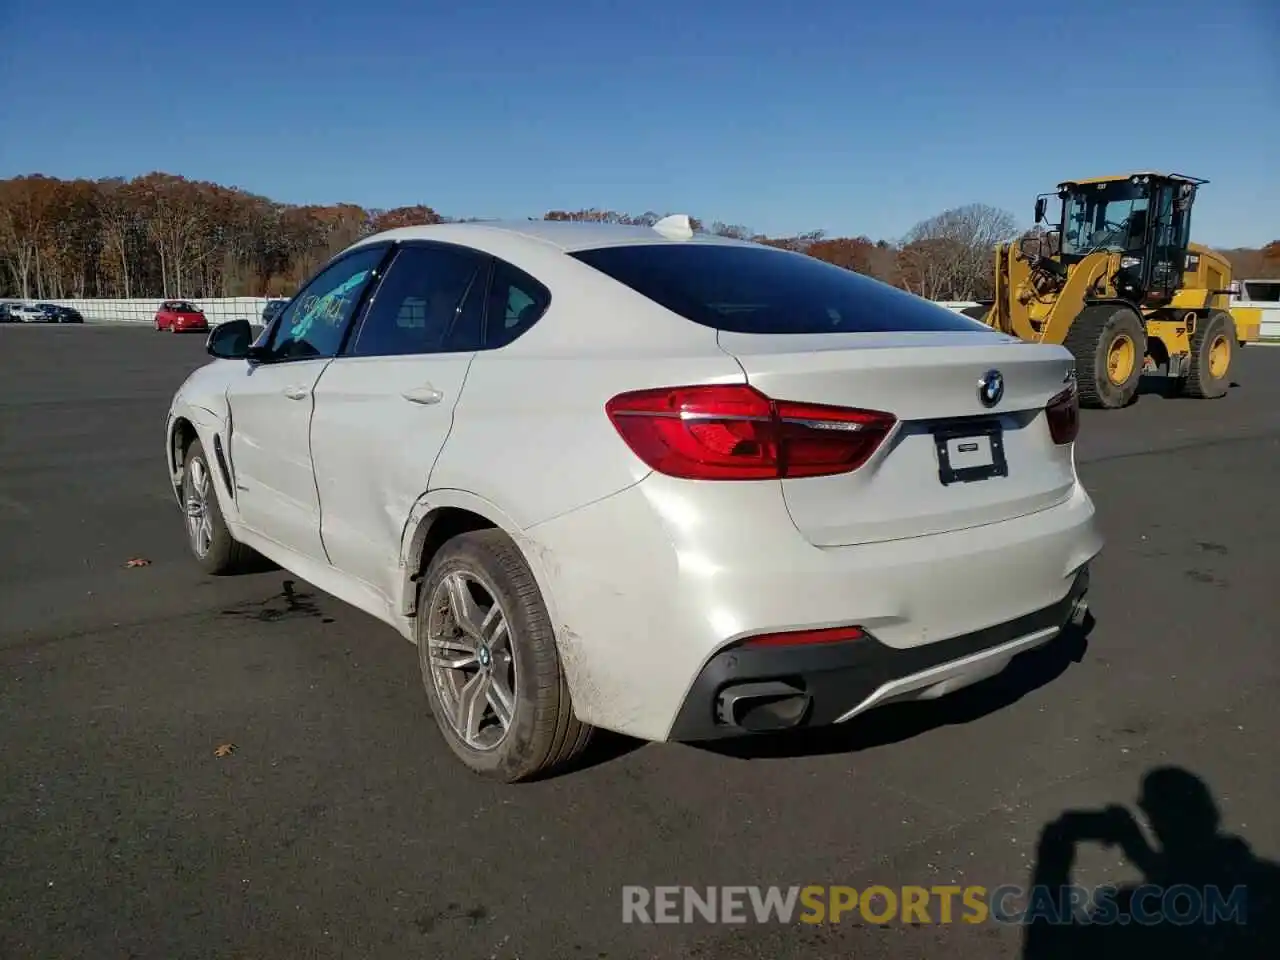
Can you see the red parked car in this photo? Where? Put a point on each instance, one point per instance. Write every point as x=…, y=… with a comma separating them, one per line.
x=180, y=316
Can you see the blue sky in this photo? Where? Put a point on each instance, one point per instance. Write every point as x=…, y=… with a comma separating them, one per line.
x=780, y=116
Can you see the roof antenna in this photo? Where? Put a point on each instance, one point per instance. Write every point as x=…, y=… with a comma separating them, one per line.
x=677, y=227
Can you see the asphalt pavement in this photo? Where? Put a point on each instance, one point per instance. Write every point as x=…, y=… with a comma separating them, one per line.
x=337, y=824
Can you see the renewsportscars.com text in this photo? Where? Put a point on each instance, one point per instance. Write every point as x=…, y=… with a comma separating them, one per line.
x=1009, y=904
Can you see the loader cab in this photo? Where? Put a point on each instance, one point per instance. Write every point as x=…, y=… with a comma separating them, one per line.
x=1145, y=218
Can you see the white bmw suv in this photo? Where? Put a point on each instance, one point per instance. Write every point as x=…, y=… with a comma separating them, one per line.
x=673, y=485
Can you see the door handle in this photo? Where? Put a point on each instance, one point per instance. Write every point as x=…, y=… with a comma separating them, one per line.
x=427, y=395
x=297, y=392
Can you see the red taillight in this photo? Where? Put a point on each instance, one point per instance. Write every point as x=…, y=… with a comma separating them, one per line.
x=795, y=638
x=735, y=432
x=1063, y=414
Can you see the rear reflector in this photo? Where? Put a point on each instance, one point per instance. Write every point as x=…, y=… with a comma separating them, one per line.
x=735, y=432
x=799, y=638
x=1063, y=414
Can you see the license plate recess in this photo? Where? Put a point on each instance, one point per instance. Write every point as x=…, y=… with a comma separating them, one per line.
x=970, y=451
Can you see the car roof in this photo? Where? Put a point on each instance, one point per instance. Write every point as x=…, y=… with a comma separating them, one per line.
x=565, y=235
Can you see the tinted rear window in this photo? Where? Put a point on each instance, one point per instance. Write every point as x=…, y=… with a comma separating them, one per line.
x=1263, y=291
x=762, y=290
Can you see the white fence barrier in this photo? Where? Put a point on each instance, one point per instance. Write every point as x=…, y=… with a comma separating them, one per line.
x=217, y=309
x=250, y=308
x=144, y=310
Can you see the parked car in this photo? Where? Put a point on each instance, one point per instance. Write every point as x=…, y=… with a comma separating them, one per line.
x=181, y=316
x=7, y=314
x=28, y=313
x=677, y=486
x=271, y=308
x=56, y=313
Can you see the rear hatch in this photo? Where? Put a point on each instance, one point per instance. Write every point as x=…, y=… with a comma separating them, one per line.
x=184, y=312
x=813, y=333
x=951, y=462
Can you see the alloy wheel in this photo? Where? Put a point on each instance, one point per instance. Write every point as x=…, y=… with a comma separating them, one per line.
x=470, y=661
x=195, y=493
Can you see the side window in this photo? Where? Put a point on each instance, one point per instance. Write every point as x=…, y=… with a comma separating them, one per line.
x=315, y=320
x=270, y=322
x=516, y=302
x=419, y=303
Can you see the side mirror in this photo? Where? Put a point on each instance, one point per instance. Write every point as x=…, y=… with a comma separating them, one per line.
x=230, y=340
x=1042, y=205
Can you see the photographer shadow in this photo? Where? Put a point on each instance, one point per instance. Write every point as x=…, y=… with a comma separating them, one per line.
x=1203, y=894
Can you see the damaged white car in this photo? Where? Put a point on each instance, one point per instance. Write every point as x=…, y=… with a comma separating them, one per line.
x=673, y=485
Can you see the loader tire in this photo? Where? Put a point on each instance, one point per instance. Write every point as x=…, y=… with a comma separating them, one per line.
x=1213, y=347
x=1109, y=343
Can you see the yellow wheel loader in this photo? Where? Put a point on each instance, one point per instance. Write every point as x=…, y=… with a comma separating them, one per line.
x=1119, y=284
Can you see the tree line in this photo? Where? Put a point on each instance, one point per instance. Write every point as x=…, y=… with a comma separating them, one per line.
x=162, y=235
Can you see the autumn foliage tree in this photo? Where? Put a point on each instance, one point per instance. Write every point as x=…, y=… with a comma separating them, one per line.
x=414, y=216
x=26, y=226
x=162, y=235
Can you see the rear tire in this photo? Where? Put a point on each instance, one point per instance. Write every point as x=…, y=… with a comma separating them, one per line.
x=1213, y=349
x=1109, y=343
x=502, y=649
x=208, y=538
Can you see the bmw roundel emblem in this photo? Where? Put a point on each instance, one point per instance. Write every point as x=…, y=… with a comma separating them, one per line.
x=991, y=388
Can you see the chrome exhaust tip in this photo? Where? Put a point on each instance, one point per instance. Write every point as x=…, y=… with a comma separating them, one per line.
x=1079, y=612
x=762, y=707
x=1080, y=606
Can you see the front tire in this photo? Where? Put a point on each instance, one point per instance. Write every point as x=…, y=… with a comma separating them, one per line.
x=489, y=662
x=1212, y=350
x=208, y=538
x=1109, y=344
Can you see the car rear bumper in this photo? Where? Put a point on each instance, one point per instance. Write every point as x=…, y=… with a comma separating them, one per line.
x=743, y=690
x=654, y=588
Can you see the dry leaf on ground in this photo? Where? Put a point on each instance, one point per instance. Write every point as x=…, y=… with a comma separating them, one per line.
x=138, y=562
x=224, y=749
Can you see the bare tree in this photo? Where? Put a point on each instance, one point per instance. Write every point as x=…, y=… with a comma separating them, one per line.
x=731, y=230
x=800, y=243
x=949, y=256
